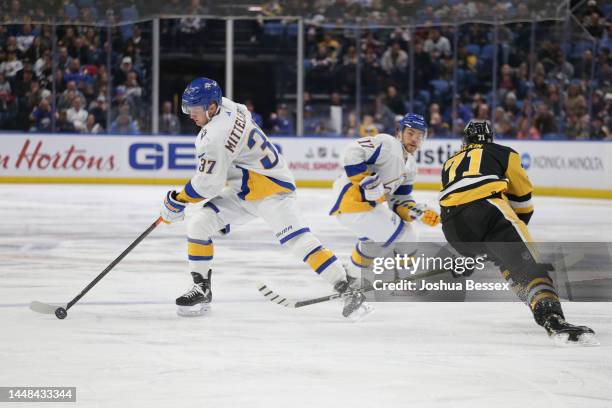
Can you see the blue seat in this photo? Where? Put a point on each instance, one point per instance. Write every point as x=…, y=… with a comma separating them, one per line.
x=488, y=51
x=440, y=86
x=424, y=96
x=473, y=49
x=71, y=11
x=274, y=29
x=580, y=47
x=292, y=30
x=607, y=10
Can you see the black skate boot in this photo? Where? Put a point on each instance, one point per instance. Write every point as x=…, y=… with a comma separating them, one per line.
x=562, y=333
x=355, y=307
x=196, y=301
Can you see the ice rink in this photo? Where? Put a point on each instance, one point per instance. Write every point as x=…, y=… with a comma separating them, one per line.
x=124, y=345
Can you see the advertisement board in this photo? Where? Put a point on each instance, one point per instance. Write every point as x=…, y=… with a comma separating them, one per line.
x=580, y=169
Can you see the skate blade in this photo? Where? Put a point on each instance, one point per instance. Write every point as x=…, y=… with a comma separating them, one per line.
x=361, y=312
x=585, y=340
x=193, y=311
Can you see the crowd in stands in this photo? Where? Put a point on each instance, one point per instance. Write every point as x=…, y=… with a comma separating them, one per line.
x=563, y=89
x=568, y=94
x=74, y=98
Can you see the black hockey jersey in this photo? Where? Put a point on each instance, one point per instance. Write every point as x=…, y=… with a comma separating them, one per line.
x=480, y=171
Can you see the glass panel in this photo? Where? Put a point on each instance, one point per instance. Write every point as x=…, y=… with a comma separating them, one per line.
x=190, y=47
x=330, y=78
x=265, y=72
x=131, y=67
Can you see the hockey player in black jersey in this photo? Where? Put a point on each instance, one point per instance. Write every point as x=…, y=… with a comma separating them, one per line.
x=486, y=199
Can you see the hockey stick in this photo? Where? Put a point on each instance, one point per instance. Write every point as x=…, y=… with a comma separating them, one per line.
x=283, y=301
x=273, y=297
x=61, y=311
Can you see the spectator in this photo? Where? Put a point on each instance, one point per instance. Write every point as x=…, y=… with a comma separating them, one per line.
x=99, y=108
x=313, y=124
x=91, y=126
x=257, y=118
x=133, y=91
x=503, y=123
x=122, y=74
x=544, y=121
x=351, y=128
x=437, y=126
x=371, y=72
x=77, y=115
x=575, y=102
x=280, y=122
x=169, y=123
x=384, y=115
x=73, y=73
x=367, y=127
x=320, y=74
x=35, y=50
x=395, y=63
x=43, y=65
x=25, y=38
x=437, y=45
x=71, y=92
x=63, y=59
x=347, y=72
x=394, y=101
x=482, y=111
x=424, y=69
x=11, y=66
x=41, y=117
x=62, y=124
x=124, y=125
x=509, y=104
x=79, y=50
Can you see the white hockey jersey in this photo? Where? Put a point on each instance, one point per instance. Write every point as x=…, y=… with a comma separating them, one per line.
x=232, y=149
x=382, y=154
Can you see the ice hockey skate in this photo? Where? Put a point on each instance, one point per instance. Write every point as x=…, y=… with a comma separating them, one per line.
x=563, y=333
x=196, y=301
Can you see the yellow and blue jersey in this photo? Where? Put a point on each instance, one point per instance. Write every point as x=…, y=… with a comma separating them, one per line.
x=231, y=149
x=382, y=154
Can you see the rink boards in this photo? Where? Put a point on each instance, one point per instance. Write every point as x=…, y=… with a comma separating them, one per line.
x=565, y=168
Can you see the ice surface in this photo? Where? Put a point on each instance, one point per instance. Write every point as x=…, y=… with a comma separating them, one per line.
x=124, y=345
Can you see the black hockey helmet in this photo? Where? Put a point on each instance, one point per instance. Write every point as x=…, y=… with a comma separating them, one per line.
x=477, y=131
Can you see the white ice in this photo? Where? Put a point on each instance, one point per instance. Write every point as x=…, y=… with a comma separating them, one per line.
x=124, y=345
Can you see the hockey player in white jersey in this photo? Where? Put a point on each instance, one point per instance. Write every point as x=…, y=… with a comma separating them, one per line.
x=240, y=176
x=374, y=193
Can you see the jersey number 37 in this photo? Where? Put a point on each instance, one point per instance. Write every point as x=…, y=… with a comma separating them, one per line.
x=270, y=158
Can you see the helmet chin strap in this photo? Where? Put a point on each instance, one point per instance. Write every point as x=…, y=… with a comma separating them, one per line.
x=208, y=117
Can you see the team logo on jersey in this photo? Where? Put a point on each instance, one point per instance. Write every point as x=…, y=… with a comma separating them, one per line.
x=526, y=161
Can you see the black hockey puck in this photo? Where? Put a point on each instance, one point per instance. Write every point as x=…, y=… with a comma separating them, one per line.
x=61, y=313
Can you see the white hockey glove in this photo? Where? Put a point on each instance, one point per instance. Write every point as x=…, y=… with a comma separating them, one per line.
x=372, y=187
x=172, y=210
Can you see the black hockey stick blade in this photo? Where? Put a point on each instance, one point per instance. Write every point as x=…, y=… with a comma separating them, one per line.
x=45, y=308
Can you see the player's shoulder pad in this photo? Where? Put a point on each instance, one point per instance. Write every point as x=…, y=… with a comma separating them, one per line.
x=385, y=137
x=500, y=148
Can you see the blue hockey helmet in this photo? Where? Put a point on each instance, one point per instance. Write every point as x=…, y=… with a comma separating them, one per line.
x=201, y=92
x=414, y=121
